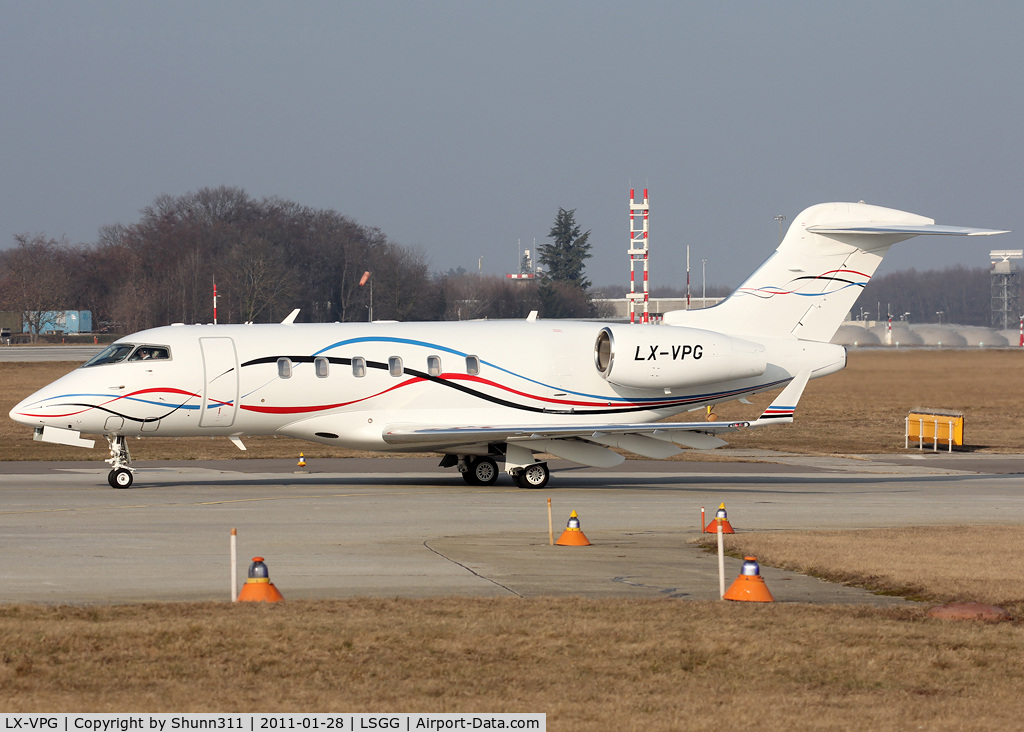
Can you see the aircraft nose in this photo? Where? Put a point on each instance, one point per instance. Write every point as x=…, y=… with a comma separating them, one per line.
x=18, y=413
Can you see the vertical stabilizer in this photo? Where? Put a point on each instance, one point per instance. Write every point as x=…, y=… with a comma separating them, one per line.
x=811, y=282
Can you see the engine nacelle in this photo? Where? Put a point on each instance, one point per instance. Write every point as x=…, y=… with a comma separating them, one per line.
x=670, y=357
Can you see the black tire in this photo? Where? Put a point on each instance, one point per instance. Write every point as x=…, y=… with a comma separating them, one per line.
x=484, y=470
x=532, y=476
x=120, y=478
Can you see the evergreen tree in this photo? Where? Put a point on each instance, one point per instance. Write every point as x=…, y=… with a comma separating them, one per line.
x=564, y=258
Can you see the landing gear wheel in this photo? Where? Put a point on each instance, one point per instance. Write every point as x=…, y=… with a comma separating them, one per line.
x=482, y=471
x=120, y=478
x=485, y=471
x=532, y=476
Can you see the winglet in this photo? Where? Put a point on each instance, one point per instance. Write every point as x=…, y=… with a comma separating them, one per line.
x=291, y=317
x=781, y=410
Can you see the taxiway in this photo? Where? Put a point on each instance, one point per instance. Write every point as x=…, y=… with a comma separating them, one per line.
x=402, y=527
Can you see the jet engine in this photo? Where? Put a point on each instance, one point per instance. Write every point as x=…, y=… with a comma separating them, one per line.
x=673, y=357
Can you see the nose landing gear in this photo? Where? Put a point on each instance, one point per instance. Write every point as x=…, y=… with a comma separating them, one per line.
x=121, y=472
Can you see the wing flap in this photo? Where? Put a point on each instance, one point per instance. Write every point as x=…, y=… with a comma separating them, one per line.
x=584, y=453
x=639, y=444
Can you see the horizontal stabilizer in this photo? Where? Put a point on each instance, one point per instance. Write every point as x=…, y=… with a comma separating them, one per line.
x=879, y=229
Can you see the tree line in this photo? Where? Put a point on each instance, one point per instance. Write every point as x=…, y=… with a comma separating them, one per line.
x=957, y=294
x=268, y=256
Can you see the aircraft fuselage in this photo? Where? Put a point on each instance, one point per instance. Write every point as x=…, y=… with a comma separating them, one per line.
x=343, y=383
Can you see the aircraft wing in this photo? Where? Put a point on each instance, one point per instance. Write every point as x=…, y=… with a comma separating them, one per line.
x=651, y=439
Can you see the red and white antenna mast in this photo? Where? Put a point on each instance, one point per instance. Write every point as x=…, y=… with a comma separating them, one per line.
x=638, y=250
x=215, y=302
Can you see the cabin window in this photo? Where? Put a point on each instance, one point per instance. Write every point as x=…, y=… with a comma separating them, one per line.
x=472, y=365
x=434, y=365
x=395, y=366
x=359, y=367
x=322, y=367
x=284, y=368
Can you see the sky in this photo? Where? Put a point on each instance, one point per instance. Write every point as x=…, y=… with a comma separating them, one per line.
x=460, y=128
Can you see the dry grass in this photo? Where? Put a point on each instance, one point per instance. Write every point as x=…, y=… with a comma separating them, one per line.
x=861, y=409
x=940, y=564
x=651, y=665
x=858, y=410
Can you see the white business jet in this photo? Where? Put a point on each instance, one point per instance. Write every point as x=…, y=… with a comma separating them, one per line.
x=485, y=393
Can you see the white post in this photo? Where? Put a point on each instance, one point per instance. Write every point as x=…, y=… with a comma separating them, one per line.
x=920, y=433
x=935, y=437
x=721, y=562
x=687, y=276
x=234, y=565
x=551, y=531
x=906, y=433
x=703, y=283
x=950, y=436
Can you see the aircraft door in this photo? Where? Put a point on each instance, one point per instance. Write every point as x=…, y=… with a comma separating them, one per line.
x=220, y=382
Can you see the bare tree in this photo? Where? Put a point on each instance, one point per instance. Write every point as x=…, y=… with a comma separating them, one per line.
x=402, y=284
x=36, y=280
x=469, y=296
x=258, y=282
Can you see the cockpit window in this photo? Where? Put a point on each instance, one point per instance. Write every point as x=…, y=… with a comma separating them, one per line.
x=119, y=352
x=111, y=354
x=150, y=353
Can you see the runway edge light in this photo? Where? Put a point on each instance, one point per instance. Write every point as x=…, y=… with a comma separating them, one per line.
x=258, y=587
x=573, y=534
x=749, y=586
x=712, y=527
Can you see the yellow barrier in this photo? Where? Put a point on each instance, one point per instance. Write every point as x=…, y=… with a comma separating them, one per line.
x=935, y=426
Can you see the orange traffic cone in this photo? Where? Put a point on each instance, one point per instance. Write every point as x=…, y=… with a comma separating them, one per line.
x=573, y=535
x=259, y=588
x=749, y=586
x=712, y=528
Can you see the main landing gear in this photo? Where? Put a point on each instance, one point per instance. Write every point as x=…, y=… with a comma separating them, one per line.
x=480, y=471
x=121, y=472
x=532, y=476
x=484, y=471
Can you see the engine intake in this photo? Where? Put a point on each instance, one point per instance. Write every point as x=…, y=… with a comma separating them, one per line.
x=672, y=357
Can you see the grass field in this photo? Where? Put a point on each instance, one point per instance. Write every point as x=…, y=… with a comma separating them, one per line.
x=932, y=564
x=858, y=410
x=589, y=665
